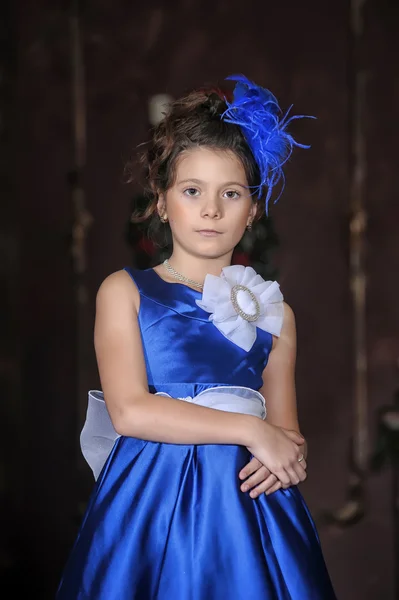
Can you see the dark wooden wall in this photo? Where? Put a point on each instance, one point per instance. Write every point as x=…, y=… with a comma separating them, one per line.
x=132, y=51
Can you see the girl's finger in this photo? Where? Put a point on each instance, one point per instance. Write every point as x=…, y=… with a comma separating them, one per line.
x=293, y=475
x=250, y=468
x=303, y=464
x=264, y=486
x=274, y=488
x=300, y=471
x=259, y=476
x=282, y=475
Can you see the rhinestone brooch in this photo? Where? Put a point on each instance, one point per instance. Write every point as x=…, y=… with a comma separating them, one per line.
x=247, y=316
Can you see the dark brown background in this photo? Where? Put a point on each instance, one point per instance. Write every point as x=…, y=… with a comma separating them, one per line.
x=133, y=50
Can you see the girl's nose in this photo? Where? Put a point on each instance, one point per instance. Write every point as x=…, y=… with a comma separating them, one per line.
x=212, y=209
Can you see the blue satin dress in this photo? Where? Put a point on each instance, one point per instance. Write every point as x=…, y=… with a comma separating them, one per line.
x=169, y=522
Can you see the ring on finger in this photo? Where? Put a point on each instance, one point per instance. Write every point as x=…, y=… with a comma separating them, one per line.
x=300, y=459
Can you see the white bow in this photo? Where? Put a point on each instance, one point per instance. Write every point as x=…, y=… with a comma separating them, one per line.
x=239, y=301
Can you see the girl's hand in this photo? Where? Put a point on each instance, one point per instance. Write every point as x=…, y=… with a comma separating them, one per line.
x=278, y=450
x=256, y=476
x=260, y=480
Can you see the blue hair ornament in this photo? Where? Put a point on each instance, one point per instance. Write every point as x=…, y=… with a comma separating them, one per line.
x=257, y=112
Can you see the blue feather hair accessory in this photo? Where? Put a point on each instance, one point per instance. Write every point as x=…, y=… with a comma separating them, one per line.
x=257, y=112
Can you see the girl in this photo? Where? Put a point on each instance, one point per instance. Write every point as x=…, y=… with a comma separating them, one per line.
x=196, y=496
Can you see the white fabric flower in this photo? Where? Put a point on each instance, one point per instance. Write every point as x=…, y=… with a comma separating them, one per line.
x=239, y=301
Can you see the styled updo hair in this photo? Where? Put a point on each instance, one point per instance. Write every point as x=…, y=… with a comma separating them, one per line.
x=191, y=122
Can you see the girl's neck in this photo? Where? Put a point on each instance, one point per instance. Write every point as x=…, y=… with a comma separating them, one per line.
x=197, y=268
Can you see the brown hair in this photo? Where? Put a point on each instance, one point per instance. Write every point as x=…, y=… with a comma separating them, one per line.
x=192, y=121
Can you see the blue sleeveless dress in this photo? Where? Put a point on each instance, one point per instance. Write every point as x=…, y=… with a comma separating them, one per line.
x=169, y=522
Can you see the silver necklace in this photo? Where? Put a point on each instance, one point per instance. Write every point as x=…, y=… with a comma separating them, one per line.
x=181, y=277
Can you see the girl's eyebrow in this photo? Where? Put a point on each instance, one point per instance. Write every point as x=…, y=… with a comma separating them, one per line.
x=199, y=182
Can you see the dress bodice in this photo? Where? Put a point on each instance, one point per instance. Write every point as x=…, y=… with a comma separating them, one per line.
x=184, y=352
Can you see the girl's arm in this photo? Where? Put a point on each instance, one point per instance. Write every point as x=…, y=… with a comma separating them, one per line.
x=279, y=378
x=133, y=410
x=279, y=391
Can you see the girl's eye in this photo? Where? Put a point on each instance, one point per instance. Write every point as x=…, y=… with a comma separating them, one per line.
x=232, y=194
x=191, y=192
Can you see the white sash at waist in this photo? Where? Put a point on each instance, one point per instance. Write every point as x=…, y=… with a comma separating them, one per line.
x=99, y=436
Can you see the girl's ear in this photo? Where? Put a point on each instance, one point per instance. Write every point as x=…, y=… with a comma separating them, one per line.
x=161, y=205
x=252, y=213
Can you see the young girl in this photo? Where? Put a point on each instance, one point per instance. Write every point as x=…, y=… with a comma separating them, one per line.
x=197, y=447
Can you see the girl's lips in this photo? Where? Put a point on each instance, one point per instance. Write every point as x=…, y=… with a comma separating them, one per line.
x=209, y=232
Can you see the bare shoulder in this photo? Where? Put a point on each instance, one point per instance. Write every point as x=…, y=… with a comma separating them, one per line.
x=289, y=317
x=118, y=288
x=287, y=336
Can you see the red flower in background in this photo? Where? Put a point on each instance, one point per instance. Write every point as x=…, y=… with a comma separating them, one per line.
x=146, y=245
x=241, y=258
x=228, y=94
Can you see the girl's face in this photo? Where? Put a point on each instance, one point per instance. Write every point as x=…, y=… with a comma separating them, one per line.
x=209, y=204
